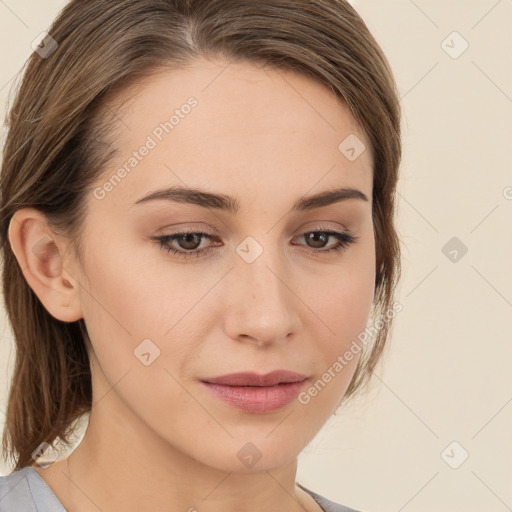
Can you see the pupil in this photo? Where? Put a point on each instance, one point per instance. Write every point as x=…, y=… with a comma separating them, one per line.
x=188, y=238
x=315, y=236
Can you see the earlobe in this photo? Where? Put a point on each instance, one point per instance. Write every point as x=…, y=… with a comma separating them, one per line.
x=40, y=257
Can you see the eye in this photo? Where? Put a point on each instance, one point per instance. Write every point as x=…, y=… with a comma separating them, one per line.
x=189, y=242
x=320, y=238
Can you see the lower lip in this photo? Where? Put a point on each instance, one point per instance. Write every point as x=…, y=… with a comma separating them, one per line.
x=257, y=399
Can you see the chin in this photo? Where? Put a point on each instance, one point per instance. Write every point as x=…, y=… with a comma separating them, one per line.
x=246, y=456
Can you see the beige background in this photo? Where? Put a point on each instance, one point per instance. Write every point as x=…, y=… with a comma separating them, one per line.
x=446, y=376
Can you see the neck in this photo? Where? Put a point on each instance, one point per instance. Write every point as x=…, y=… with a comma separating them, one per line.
x=121, y=464
x=128, y=480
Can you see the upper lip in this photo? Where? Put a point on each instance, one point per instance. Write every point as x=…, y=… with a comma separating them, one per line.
x=256, y=379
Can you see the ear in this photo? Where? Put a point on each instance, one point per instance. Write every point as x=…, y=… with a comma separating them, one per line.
x=40, y=254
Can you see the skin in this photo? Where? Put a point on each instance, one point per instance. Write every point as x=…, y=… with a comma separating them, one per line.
x=156, y=439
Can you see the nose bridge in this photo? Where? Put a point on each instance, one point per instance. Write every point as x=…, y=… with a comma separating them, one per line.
x=262, y=304
x=263, y=279
x=259, y=269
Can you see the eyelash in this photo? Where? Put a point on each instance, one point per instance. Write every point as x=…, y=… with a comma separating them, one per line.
x=345, y=239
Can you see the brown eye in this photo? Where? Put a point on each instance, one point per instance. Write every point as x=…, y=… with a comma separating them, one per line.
x=189, y=241
x=318, y=239
x=183, y=244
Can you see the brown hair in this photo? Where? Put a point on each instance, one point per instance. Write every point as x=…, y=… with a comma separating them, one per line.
x=56, y=149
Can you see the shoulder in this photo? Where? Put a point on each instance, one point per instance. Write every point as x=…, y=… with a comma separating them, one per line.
x=326, y=504
x=22, y=489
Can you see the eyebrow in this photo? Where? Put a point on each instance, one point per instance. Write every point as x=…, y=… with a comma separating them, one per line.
x=230, y=204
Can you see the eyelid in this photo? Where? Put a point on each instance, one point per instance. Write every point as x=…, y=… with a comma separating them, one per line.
x=215, y=233
x=326, y=227
x=345, y=238
x=191, y=227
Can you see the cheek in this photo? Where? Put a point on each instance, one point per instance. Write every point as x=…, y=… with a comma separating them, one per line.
x=136, y=304
x=343, y=303
x=344, y=311
x=342, y=296
x=128, y=312
x=120, y=308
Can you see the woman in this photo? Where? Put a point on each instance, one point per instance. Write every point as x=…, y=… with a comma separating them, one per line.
x=197, y=227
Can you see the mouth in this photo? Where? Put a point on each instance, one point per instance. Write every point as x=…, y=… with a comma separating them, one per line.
x=256, y=393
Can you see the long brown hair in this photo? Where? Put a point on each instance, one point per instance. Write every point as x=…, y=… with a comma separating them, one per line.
x=57, y=145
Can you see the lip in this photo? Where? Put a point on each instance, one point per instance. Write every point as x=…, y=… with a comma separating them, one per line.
x=256, y=393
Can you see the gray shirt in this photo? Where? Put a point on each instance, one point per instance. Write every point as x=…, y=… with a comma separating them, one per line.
x=26, y=491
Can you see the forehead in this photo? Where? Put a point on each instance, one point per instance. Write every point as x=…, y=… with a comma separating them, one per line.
x=234, y=127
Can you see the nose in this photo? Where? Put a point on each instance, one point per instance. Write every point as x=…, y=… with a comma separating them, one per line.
x=261, y=306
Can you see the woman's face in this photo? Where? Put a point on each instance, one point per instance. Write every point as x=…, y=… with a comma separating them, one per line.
x=263, y=291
